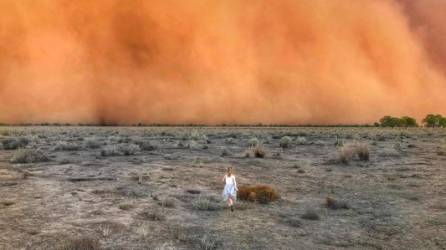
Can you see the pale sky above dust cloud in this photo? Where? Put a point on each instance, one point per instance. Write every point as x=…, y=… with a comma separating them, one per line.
x=234, y=61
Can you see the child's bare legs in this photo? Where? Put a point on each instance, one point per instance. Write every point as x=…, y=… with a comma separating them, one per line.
x=230, y=203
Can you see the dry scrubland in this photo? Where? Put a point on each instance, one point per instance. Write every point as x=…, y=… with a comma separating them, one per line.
x=159, y=188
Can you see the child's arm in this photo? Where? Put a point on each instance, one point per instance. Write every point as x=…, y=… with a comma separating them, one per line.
x=224, y=179
x=235, y=184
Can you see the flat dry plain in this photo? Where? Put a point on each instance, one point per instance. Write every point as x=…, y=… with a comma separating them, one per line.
x=159, y=188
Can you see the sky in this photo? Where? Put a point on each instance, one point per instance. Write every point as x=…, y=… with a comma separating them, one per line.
x=214, y=62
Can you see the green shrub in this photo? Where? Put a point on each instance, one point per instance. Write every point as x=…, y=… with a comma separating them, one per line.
x=285, y=142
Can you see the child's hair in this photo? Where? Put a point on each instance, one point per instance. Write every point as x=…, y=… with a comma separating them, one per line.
x=229, y=171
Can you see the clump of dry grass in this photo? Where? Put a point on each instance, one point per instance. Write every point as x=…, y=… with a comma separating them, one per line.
x=335, y=204
x=204, y=204
x=83, y=243
x=29, y=156
x=258, y=193
x=348, y=152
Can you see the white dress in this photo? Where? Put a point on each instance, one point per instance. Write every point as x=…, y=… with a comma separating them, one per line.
x=230, y=188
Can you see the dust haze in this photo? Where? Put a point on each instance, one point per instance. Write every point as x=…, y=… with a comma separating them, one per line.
x=171, y=61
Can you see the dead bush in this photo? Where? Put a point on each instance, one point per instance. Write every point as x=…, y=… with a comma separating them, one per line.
x=258, y=193
x=349, y=151
x=29, y=156
x=259, y=151
x=84, y=243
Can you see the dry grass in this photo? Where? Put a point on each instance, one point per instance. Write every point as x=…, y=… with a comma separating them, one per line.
x=258, y=193
x=83, y=243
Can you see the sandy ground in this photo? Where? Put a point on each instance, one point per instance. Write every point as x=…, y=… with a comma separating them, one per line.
x=169, y=196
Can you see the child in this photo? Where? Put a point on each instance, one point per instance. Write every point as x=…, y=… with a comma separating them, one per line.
x=230, y=190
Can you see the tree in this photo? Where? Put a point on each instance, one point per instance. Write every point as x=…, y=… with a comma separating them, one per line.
x=407, y=121
x=433, y=121
x=389, y=121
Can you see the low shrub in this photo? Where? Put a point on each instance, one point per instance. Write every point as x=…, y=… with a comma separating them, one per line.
x=285, y=142
x=258, y=193
x=253, y=142
x=29, y=156
x=301, y=140
x=12, y=144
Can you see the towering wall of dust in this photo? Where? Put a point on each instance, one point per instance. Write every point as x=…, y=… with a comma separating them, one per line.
x=199, y=61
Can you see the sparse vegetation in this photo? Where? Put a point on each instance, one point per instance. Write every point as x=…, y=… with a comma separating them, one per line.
x=29, y=156
x=258, y=193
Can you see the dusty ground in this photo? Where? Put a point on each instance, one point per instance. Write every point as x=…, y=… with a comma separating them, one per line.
x=396, y=200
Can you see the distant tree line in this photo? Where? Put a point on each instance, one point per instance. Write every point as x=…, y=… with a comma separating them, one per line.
x=431, y=120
